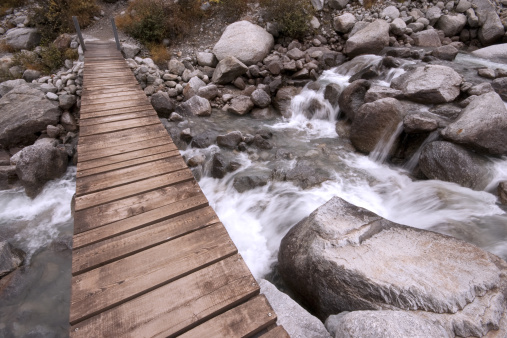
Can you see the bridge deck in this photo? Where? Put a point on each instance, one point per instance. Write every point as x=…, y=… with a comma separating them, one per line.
x=150, y=257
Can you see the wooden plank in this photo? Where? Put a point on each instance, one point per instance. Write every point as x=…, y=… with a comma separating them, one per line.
x=111, y=90
x=124, y=157
x=133, y=223
x=100, y=113
x=244, y=320
x=144, y=201
x=123, y=82
x=120, y=281
x=88, y=102
x=106, y=251
x=277, y=332
x=127, y=190
x=178, y=306
x=116, y=105
x=126, y=164
x=116, y=150
x=118, y=125
x=114, y=118
x=111, y=179
x=125, y=93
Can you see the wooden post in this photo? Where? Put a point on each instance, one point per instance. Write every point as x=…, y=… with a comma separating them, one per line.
x=78, y=31
x=115, y=34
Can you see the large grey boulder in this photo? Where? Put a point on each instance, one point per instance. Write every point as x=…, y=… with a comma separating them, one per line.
x=10, y=258
x=240, y=105
x=376, y=92
x=228, y=69
x=25, y=112
x=491, y=28
x=162, y=104
x=344, y=23
x=495, y=52
x=352, y=97
x=375, y=122
x=481, y=125
x=429, y=84
x=433, y=14
x=245, y=41
x=296, y=321
x=40, y=163
x=9, y=85
x=390, y=12
x=206, y=59
x=196, y=105
x=192, y=87
x=283, y=99
x=450, y=162
x=129, y=51
x=427, y=38
x=451, y=25
x=369, y=40
x=500, y=86
x=22, y=38
x=346, y=258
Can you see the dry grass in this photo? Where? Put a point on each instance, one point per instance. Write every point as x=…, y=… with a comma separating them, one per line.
x=159, y=54
x=4, y=47
x=292, y=16
x=6, y=4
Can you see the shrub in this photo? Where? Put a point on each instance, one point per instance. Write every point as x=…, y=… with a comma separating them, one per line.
x=159, y=54
x=52, y=58
x=49, y=60
x=6, y=4
x=71, y=54
x=54, y=17
x=27, y=60
x=293, y=16
x=231, y=10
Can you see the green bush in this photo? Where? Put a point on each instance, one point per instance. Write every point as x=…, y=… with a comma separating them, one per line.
x=293, y=16
x=50, y=59
x=54, y=17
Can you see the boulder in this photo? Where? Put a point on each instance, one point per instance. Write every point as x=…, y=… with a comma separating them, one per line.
x=332, y=94
x=240, y=105
x=25, y=112
x=450, y=162
x=433, y=14
x=481, y=125
x=346, y=258
x=244, y=41
x=192, y=87
x=447, y=52
x=427, y=38
x=491, y=28
x=306, y=175
x=283, y=98
x=206, y=59
x=260, y=98
x=495, y=52
x=67, y=101
x=376, y=92
x=63, y=42
x=209, y=92
x=10, y=258
x=30, y=74
x=463, y=5
x=175, y=67
x=230, y=140
x=22, y=38
x=68, y=121
x=9, y=85
x=338, y=4
x=500, y=86
x=344, y=23
x=451, y=25
x=417, y=123
x=398, y=26
x=429, y=84
x=267, y=113
x=195, y=106
x=40, y=163
x=296, y=320
x=390, y=12
x=228, y=69
x=369, y=40
x=162, y=104
x=204, y=140
x=502, y=192
x=245, y=182
x=352, y=97
x=218, y=166
x=375, y=122
x=129, y=51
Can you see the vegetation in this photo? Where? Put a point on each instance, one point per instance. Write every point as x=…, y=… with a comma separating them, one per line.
x=292, y=16
x=54, y=17
x=7, y=4
x=159, y=53
x=48, y=59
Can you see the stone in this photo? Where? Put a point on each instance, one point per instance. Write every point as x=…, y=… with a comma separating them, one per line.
x=315, y=23
x=427, y=38
x=480, y=89
x=218, y=166
x=417, y=123
x=415, y=27
x=352, y=97
x=463, y=5
x=10, y=258
x=332, y=94
x=68, y=121
x=481, y=125
x=261, y=143
x=38, y=164
x=500, y=86
x=9, y=85
x=63, y=42
x=129, y=51
x=209, y=92
x=283, y=98
x=228, y=69
x=245, y=182
x=192, y=87
x=162, y=104
x=48, y=88
x=204, y=140
x=196, y=160
x=25, y=113
x=358, y=27
x=447, y=52
x=369, y=40
x=230, y=140
x=495, y=52
x=376, y=92
x=295, y=54
x=429, y=84
x=337, y=4
x=176, y=67
x=29, y=75
x=298, y=322
x=306, y=175
x=433, y=14
x=22, y=38
x=383, y=324
x=397, y=26
x=491, y=29
x=344, y=23
x=66, y=101
x=267, y=113
x=244, y=41
x=206, y=59
x=8, y=176
x=451, y=25
x=260, y=98
x=450, y=162
x=390, y=12
x=502, y=192
x=317, y=4
x=344, y=247
x=488, y=73
x=375, y=122
x=240, y=105
x=52, y=96
x=195, y=106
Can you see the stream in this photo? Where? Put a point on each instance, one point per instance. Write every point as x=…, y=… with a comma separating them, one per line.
x=257, y=219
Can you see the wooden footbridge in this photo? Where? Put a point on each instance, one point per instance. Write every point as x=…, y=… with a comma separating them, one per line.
x=150, y=257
